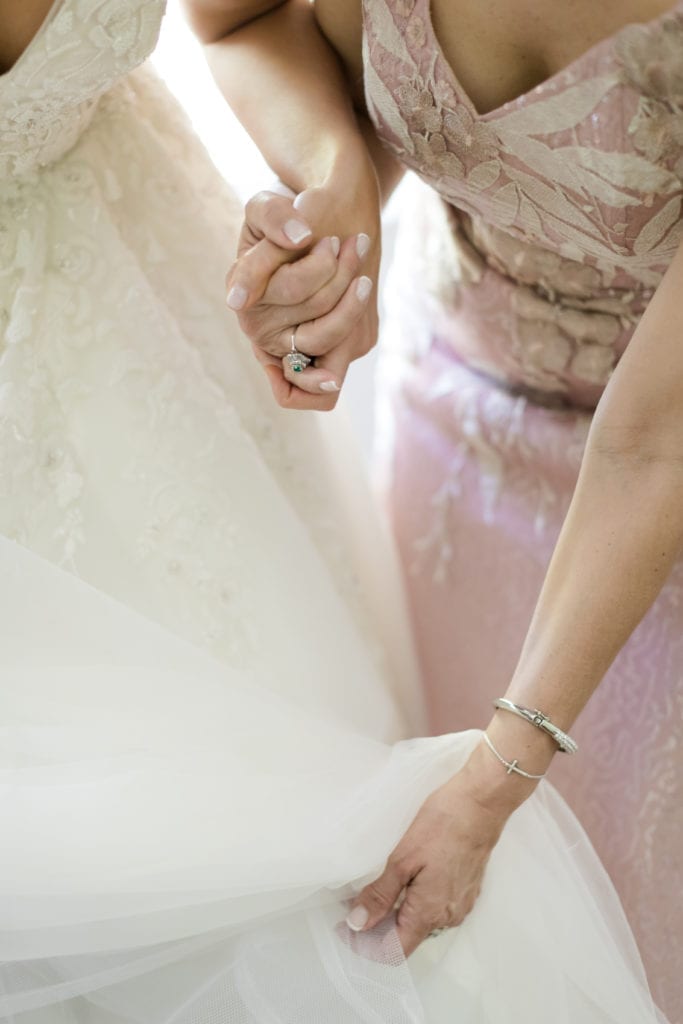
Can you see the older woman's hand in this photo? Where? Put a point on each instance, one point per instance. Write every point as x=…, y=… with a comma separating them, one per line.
x=435, y=873
x=281, y=282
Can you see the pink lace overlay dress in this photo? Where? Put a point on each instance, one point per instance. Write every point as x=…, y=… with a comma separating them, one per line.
x=551, y=223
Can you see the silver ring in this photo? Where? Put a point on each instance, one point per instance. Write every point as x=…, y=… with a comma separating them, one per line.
x=438, y=931
x=297, y=360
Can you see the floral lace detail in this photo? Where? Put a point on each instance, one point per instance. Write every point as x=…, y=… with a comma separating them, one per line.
x=651, y=61
x=651, y=64
x=543, y=193
x=48, y=98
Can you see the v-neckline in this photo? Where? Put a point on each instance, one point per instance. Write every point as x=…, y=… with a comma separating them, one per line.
x=504, y=108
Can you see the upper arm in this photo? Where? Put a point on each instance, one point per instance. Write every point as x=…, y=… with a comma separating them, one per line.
x=341, y=22
x=19, y=24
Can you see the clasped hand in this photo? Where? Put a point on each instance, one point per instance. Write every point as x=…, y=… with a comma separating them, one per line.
x=290, y=275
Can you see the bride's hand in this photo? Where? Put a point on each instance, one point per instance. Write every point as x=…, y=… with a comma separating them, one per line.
x=328, y=293
x=437, y=869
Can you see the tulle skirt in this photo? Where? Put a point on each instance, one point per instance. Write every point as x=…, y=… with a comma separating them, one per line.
x=179, y=843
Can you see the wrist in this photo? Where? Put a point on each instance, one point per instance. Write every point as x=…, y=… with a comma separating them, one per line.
x=496, y=789
x=339, y=192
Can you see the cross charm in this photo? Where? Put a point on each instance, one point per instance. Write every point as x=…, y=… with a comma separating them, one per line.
x=512, y=766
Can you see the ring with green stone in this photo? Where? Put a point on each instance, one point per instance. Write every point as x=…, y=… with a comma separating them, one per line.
x=297, y=360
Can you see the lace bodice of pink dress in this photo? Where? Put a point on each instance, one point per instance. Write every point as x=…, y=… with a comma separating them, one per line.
x=556, y=218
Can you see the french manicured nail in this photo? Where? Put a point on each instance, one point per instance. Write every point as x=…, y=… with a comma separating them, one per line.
x=336, y=245
x=296, y=231
x=357, y=919
x=237, y=296
x=326, y=243
x=329, y=385
x=362, y=245
x=363, y=288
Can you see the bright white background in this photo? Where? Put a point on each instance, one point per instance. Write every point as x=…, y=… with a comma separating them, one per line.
x=180, y=61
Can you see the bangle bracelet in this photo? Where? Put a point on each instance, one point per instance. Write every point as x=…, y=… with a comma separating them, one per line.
x=566, y=744
x=512, y=766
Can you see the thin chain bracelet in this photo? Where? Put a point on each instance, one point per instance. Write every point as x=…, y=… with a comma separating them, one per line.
x=512, y=766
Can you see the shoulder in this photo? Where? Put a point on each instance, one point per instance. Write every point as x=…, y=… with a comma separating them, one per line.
x=18, y=25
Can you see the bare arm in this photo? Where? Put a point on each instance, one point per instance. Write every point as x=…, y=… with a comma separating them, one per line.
x=619, y=541
x=295, y=82
x=624, y=528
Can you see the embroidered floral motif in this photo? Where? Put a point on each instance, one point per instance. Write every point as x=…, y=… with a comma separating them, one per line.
x=657, y=133
x=651, y=59
x=474, y=141
x=550, y=203
x=449, y=138
x=405, y=7
x=48, y=99
x=416, y=34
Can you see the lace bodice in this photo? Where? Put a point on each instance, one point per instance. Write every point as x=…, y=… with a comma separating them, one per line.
x=47, y=99
x=564, y=204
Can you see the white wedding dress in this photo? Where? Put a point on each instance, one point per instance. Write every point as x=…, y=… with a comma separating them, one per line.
x=203, y=663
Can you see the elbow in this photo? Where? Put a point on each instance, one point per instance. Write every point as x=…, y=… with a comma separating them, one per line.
x=631, y=445
x=214, y=20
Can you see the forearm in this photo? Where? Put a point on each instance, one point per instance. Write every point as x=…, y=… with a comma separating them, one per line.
x=621, y=537
x=287, y=87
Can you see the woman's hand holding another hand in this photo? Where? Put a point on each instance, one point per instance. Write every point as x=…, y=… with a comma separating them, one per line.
x=308, y=264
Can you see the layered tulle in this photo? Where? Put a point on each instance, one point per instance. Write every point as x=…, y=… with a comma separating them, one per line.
x=176, y=835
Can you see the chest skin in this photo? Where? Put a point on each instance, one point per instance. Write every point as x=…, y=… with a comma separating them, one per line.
x=498, y=49
x=19, y=22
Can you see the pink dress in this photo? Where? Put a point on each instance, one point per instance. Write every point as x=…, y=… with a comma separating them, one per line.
x=558, y=215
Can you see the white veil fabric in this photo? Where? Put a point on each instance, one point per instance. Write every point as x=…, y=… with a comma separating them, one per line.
x=179, y=842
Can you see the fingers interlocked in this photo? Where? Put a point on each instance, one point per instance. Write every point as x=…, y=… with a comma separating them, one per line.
x=278, y=286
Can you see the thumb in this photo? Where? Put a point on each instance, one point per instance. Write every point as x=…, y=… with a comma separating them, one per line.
x=378, y=899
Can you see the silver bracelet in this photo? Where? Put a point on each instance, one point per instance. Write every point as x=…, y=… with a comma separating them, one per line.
x=512, y=766
x=564, y=741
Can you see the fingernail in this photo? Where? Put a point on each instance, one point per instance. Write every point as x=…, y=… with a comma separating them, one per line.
x=363, y=288
x=325, y=243
x=298, y=200
x=296, y=231
x=329, y=385
x=357, y=919
x=362, y=245
x=336, y=245
x=237, y=296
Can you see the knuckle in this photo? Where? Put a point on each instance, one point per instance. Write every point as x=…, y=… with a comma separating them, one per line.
x=374, y=897
x=329, y=335
x=291, y=290
x=329, y=296
x=415, y=918
x=402, y=864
